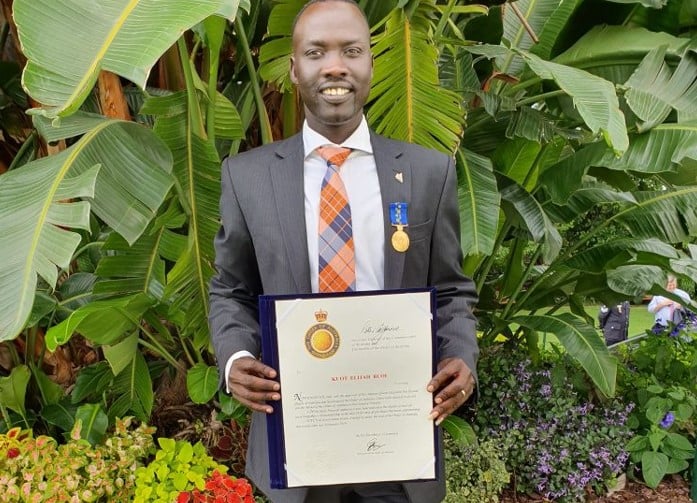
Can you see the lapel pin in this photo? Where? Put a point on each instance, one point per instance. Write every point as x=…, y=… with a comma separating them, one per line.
x=399, y=176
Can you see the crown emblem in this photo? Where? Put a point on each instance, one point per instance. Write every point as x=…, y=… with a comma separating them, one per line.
x=321, y=316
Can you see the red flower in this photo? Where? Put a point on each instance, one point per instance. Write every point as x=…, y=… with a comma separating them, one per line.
x=12, y=452
x=184, y=497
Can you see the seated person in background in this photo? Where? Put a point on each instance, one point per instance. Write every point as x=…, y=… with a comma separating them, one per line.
x=665, y=309
x=614, y=322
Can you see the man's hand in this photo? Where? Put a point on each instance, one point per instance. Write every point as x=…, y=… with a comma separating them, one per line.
x=453, y=384
x=251, y=383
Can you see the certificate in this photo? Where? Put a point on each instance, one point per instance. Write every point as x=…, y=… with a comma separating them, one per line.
x=353, y=370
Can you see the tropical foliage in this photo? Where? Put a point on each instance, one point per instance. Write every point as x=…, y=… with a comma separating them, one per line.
x=555, y=110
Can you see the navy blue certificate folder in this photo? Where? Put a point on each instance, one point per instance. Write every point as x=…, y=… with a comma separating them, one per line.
x=345, y=332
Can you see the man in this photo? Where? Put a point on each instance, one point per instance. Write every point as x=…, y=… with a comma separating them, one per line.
x=614, y=322
x=666, y=310
x=268, y=242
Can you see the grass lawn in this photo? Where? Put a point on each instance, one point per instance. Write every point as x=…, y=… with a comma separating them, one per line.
x=640, y=320
x=639, y=317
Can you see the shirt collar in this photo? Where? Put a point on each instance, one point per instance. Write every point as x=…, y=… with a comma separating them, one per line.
x=359, y=139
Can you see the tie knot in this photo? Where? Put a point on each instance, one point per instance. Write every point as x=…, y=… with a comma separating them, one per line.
x=335, y=156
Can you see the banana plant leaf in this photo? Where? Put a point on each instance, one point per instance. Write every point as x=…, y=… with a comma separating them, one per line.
x=607, y=255
x=594, y=98
x=102, y=321
x=614, y=52
x=653, y=91
x=554, y=27
x=126, y=269
x=669, y=215
x=124, y=169
x=197, y=170
x=479, y=200
x=406, y=101
x=68, y=43
x=274, y=55
x=134, y=388
x=537, y=13
x=663, y=148
x=526, y=213
x=582, y=342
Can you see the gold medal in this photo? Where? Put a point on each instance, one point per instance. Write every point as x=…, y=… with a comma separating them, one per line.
x=400, y=240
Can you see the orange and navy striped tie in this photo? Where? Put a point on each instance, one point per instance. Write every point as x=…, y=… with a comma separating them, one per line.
x=337, y=267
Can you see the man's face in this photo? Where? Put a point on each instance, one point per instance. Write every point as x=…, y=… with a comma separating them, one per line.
x=332, y=67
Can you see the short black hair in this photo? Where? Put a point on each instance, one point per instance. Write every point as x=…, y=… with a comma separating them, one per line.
x=312, y=2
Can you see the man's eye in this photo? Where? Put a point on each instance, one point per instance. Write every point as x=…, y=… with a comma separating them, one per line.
x=313, y=53
x=353, y=51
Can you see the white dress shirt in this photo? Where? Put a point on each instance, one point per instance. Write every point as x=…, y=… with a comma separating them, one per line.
x=360, y=176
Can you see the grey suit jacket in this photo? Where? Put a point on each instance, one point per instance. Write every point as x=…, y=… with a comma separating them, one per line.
x=261, y=248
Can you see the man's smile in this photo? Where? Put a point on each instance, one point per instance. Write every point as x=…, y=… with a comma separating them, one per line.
x=335, y=91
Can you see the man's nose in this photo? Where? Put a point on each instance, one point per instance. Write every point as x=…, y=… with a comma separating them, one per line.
x=334, y=66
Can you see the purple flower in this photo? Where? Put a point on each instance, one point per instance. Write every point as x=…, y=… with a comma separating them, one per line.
x=667, y=420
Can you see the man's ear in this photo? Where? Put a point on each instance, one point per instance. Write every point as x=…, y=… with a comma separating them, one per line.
x=293, y=77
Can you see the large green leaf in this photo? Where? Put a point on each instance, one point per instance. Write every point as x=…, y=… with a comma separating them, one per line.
x=202, y=382
x=31, y=241
x=653, y=92
x=197, y=169
x=604, y=256
x=39, y=208
x=274, y=55
x=134, y=389
x=554, y=27
x=406, y=101
x=92, y=423
x=594, y=98
x=102, y=321
x=479, y=203
x=536, y=14
x=582, y=342
x=120, y=355
x=127, y=269
x=664, y=148
x=605, y=47
x=669, y=215
x=654, y=466
x=68, y=42
x=13, y=389
x=525, y=212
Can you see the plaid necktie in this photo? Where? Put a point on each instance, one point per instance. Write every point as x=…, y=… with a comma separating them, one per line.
x=337, y=268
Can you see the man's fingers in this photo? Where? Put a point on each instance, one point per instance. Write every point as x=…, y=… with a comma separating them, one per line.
x=252, y=384
x=453, y=385
x=249, y=365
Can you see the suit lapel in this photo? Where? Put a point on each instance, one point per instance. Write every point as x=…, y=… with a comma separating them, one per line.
x=287, y=178
x=394, y=174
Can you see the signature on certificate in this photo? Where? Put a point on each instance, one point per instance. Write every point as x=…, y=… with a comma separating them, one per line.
x=376, y=330
x=373, y=445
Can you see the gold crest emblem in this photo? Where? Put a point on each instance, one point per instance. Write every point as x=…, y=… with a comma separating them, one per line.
x=322, y=340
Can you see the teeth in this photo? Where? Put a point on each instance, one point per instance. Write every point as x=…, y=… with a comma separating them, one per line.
x=335, y=91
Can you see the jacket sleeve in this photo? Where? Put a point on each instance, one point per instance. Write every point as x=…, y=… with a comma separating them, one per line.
x=456, y=294
x=234, y=288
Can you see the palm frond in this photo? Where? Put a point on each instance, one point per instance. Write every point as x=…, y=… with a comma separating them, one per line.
x=406, y=101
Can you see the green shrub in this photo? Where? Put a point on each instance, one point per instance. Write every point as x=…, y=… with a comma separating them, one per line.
x=660, y=376
x=475, y=472
x=178, y=467
x=557, y=442
x=40, y=470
